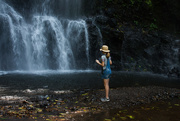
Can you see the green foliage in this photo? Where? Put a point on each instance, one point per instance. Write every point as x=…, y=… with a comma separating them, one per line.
x=136, y=22
x=136, y=12
x=154, y=20
x=109, y=0
x=153, y=26
x=145, y=70
x=149, y=2
x=132, y=1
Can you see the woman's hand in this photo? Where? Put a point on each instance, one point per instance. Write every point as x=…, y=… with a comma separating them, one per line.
x=101, y=64
x=97, y=61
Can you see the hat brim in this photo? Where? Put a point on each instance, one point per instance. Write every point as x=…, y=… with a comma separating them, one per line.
x=104, y=50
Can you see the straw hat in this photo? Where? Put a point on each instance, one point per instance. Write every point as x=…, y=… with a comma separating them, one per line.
x=105, y=48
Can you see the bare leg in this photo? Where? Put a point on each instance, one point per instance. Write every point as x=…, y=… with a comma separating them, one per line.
x=106, y=85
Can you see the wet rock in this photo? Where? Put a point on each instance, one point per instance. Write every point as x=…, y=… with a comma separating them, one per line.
x=101, y=20
x=73, y=109
x=175, y=71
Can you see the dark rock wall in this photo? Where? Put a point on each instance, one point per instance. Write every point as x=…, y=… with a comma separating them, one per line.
x=141, y=34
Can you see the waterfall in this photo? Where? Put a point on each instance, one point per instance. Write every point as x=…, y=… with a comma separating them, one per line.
x=176, y=54
x=13, y=34
x=63, y=8
x=46, y=41
x=49, y=44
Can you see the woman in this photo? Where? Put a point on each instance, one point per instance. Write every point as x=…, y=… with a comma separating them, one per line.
x=106, y=73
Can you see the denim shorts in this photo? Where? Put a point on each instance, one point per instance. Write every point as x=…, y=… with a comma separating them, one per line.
x=106, y=74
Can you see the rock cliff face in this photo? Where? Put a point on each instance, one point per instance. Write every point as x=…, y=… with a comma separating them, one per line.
x=138, y=49
x=142, y=35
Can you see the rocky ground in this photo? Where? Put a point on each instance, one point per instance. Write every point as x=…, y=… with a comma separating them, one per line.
x=80, y=104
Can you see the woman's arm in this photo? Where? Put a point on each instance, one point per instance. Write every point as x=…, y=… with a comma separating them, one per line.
x=101, y=64
x=110, y=62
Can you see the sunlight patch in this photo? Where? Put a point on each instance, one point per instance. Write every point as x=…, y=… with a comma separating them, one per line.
x=62, y=92
x=11, y=98
x=35, y=91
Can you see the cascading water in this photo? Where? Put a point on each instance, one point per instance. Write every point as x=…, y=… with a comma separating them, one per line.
x=13, y=35
x=47, y=41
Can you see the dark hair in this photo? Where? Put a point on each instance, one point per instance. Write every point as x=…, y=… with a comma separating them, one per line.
x=107, y=55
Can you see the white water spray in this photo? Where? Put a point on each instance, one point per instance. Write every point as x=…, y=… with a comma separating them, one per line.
x=47, y=42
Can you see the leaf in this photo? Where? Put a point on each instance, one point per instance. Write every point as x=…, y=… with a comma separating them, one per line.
x=107, y=119
x=20, y=108
x=63, y=119
x=85, y=94
x=176, y=104
x=39, y=110
x=131, y=117
x=147, y=109
x=61, y=116
x=113, y=118
x=76, y=102
x=62, y=113
x=85, y=110
x=123, y=118
x=31, y=106
x=135, y=111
